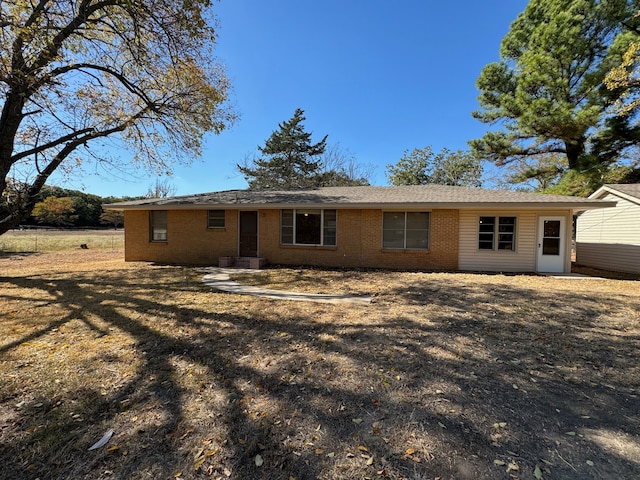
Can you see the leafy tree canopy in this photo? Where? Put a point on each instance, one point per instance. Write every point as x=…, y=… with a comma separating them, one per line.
x=625, y=78
x=73, y=73
x=290, y=160
x=421, y=166
x=114, y=218
x=58, y=211
x=547, y=91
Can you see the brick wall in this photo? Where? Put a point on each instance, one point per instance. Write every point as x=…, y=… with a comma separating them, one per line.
x=188, y=238
x=359, y=241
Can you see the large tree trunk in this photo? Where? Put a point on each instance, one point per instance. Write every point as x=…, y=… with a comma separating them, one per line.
x=575, y=150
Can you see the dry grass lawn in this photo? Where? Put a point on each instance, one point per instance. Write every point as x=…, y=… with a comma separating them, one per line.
x=449, y=376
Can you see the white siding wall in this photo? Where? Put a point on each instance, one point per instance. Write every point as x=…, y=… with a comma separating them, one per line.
x=620, y=224
x=523, y=259
x=609, y=238
x=608, y=256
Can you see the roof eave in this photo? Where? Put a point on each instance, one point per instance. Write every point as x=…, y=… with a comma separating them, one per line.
x=614, y=191
x=575, y=206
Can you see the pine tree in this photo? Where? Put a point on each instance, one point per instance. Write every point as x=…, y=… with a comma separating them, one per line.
x=289, y=160
x=546, y=94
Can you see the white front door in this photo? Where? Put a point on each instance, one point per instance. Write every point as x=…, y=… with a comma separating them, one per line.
x=551, y=244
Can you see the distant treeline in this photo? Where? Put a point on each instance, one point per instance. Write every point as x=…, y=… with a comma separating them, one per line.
x=60, y=207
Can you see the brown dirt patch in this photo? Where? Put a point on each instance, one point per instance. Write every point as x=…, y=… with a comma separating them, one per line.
x=445, y=375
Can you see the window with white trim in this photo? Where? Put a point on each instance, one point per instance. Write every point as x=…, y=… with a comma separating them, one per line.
x=308, y=227
x=158, y=225
x=497, y=233
x=215, y=219
x=405, y=230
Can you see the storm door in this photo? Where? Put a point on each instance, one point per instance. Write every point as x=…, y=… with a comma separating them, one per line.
x=248, y=234
x=551, y=244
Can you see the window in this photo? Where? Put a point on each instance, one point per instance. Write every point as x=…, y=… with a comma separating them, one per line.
x=215, y=219
x=497, y=233
x=308, y=227
x=407, y=230
x=158, y=221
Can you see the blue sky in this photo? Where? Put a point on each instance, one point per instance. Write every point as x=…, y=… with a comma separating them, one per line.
x=377, y=77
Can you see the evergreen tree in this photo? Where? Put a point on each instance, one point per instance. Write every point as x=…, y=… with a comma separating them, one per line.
x=289, y=159
x=547, y=91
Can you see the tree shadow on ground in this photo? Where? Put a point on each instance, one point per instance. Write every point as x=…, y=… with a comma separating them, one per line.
x=465, y=382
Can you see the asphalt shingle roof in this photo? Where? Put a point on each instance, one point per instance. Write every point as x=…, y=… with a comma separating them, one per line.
x=632, y=189
x=365, y=197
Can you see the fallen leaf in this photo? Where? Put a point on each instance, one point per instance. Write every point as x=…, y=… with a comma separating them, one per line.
x=103, y=441
x=513, y=466
x=357, y=421
x=409, y=451
x=319, y=451
x=570, y=433
x=198, y=463
x=590, y=463
x=259, y=461
x=370, y=460
x=331, y=454
x=500, y=463
x=362, y=448
x=538, y=473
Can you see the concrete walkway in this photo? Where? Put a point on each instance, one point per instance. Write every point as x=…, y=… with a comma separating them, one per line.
x=219, y=279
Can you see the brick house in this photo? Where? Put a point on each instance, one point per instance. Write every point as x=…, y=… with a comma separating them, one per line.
x=427, y=227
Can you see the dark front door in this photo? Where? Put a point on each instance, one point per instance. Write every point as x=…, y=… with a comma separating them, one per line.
x=248, y=234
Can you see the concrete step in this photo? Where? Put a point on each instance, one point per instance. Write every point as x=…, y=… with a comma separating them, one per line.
x=242, y=262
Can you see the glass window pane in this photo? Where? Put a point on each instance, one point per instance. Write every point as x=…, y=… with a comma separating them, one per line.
x=417, y=232
x=308, y=227
x=159, y=234
x=393, y=220
x=487, y=223
x=551, y=246
x=552, y=228
x=287, y=218
x=506, y=235
x=417, y=239
x=158, y=221
x=417, y=220
x=287, y=235
x=215, y=219
x=506, y=228
x=329, y=230
x=405, y=230
x=286, y=226
x=393, y=238
x=486, y=227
